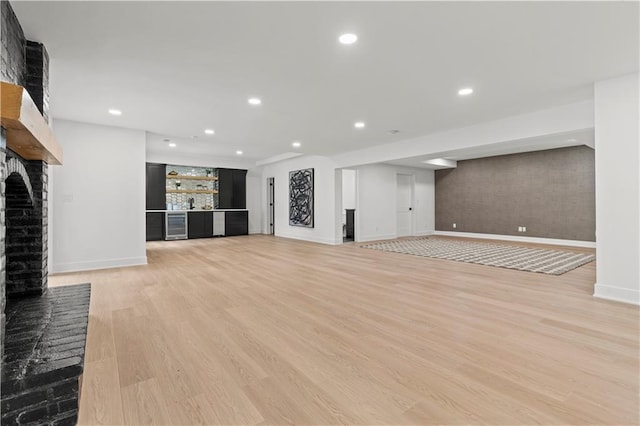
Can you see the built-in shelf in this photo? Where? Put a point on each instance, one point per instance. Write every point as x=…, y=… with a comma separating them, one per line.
x=187, y=177
x=191, y=191
x=28, y=133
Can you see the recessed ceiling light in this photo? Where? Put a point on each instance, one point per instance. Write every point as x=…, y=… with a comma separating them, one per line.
x=296, y=144
x=465, y=91
x=209, y=131
x=172, y=145
x=358, y=125
x=238, y=152
x=115, y=112
x=348, y=38
x=254, y=101
x=572, y=140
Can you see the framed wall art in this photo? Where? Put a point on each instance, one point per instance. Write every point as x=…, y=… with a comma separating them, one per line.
x=301, y=198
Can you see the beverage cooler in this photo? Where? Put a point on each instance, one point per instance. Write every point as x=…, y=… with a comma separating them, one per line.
x=176, y=226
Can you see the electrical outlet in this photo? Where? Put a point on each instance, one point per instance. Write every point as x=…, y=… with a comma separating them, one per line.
x=454, y=226
x=519, y=228
x=524, y=229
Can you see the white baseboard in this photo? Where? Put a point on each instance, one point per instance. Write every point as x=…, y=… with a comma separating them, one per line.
x=311, y=239
x=618, y=294
x=424, y=233
x=552, y=241
x=98, y=264
x=365, y=238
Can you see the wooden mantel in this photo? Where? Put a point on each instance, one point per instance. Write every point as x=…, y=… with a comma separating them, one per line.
x=28, y=134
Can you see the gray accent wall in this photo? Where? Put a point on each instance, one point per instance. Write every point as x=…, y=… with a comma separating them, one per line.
x=551, y=193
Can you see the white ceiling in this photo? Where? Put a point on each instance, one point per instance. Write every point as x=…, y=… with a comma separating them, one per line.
x=176, y=68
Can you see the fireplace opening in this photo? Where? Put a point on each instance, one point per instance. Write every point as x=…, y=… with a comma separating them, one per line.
x=23, y=235
x=44, y=337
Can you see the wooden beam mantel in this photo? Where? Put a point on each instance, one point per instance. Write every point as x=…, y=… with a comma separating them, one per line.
x=28, y=134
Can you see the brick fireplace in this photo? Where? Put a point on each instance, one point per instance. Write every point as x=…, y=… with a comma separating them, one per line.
x=23, y=186
x=42, y=331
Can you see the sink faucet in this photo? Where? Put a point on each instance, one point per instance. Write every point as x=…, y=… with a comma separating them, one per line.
x=191, y=201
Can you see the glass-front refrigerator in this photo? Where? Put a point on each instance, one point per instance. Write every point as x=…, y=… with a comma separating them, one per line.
x=176, y=226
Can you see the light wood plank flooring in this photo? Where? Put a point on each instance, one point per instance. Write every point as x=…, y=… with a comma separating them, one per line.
x=266, y=330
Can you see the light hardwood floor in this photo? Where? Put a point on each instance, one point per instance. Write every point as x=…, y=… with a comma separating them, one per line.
x=266, y=330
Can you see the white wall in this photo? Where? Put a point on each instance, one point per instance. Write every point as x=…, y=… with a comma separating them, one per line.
x=617, y=189
x=254, y=200
x=376, y=201
x=97, y=198
x=348, y=189
x=376, y=205
x=324, y=199
x=425, y=201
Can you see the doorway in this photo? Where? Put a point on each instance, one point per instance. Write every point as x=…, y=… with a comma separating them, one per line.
x=348, y=205
x=404, y=205
x=271, y=208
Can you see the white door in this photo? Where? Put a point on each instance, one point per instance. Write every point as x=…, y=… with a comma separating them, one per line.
x=404, y=206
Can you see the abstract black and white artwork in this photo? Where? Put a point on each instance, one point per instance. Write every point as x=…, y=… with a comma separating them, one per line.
x=301, y=198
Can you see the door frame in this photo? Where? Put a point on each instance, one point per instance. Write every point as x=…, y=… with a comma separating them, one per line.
x=271, y=206
x=412, y=219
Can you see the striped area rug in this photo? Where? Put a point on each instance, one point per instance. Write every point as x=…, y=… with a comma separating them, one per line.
x=554, y=262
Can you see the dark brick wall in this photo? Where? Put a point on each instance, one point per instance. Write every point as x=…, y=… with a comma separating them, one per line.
x=3, y=296
x=13, y=47
x=42, y=339
x=26, y=230
x=37, y=78
x=27, y=64
x=24, y=62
